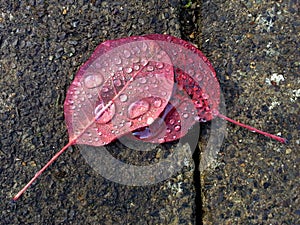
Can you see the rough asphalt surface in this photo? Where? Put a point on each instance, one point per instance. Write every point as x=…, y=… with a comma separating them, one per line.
x=255, y=180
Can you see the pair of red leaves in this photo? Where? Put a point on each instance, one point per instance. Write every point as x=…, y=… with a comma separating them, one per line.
x=153, y=87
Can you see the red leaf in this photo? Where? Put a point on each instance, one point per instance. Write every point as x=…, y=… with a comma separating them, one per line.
x=117, y=91
x=127, y=86
x=194, y=76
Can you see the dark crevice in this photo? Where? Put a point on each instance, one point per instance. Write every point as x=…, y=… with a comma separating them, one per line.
x=190, y=12
x=197, y=183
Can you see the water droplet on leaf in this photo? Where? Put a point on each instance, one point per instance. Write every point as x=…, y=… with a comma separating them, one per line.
x=142, y=80
x=138, y=108
x=150, y=120
x=104, y=114
x=128, y=70
x=177, y=128
x=123, y=98
x=94, y=80
x=159, y=65
x=157, y=102
x=126, y=53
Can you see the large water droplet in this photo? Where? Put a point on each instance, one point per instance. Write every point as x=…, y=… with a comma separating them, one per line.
x=138, y=108
x=104, y=114
x=93, y=80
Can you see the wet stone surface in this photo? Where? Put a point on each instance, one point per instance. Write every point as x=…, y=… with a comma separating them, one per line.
x=251, y=44
x=256, y=180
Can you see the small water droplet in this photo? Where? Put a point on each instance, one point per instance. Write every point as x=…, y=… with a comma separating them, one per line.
x=104, y=114
x=198, y=104
x=159, y=65
x=205, y=96
x=185, y=115
x=161, y=54
x=126, y=53
x=128, y=70
x=128, y=124
x=136, y=67
x=144, y=62
x=150, y=120
x=161, y=140
x=123, y=98
x=93, y=80
x=150, y=68
x=142, y=80
x=118, y=60
x=105, y=89
x=177, y=128
x=138, y=108
x=135, y=59
x=144, y=47
x=157, y=102
x=117, y=82
x=171, y=121
x=191, y=72
x=136, y=49
x=72, y=107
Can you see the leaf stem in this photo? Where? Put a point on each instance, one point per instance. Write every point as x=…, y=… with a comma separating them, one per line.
x=253, y=129
x=43, y=169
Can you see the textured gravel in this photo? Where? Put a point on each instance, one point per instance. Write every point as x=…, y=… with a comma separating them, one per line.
x=252, y=45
